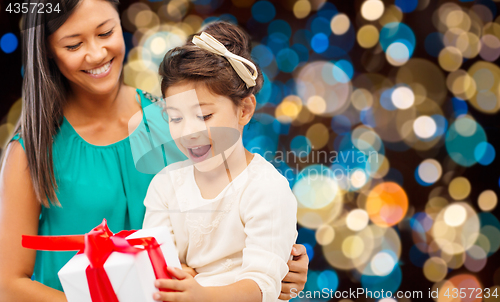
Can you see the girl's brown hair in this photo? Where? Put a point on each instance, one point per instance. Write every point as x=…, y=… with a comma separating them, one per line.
x=191, y=63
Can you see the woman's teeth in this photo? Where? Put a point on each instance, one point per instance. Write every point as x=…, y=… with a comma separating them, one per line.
x=98, y=71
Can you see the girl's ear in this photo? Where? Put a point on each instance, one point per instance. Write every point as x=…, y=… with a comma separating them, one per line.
x=247, y=109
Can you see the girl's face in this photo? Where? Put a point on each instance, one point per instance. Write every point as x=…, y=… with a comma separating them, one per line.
x=88, y=48
x=203, y=124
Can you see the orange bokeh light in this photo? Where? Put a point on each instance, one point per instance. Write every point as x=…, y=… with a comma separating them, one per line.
x=461, y=288
x=387, y=204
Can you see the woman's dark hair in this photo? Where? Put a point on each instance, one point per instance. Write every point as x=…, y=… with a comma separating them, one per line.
x=191, y=63
x=44, y=92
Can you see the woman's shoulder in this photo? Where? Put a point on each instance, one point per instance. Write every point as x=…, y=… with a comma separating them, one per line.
x=149, y=96
x=17, y=137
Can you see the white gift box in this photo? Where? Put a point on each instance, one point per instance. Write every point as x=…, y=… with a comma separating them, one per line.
x=131, y=276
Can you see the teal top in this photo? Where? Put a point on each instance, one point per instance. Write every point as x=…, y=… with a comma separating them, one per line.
x=96, y=182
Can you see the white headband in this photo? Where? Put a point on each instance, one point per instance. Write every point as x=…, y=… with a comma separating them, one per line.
x=207, y=42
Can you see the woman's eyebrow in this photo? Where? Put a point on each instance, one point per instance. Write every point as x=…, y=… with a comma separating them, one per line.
x=76, y=35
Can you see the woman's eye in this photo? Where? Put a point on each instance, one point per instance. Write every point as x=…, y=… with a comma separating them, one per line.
x=205, y=117
x=109, y=33
x=175, y=120
x=73, y=47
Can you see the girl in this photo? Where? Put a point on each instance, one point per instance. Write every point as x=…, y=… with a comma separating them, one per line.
x=232, y=215
x=70, y=163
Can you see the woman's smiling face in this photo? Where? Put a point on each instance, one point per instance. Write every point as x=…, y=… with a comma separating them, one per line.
x=89, y=48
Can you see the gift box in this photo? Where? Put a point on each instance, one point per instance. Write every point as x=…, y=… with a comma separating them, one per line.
x=111, y=267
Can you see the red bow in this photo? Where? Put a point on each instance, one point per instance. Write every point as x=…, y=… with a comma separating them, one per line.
x=98, y=245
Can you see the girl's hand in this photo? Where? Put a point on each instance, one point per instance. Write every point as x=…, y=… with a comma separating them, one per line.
x=186, y=289
x=188, y=270
x=296, y=278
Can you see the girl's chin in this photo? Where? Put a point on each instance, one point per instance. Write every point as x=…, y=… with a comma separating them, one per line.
x=209, y=164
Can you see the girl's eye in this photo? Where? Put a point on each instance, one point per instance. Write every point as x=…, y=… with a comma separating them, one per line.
x=109, y=33
x=73, y=47
x=205, y=117
x=175, y=120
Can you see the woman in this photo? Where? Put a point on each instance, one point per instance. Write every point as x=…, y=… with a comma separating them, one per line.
x=77, y=110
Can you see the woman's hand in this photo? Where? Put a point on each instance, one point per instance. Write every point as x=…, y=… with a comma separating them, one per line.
x=188, y=270
x=185, y=288
x=296, y=278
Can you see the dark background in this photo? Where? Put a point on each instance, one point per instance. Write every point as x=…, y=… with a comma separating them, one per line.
x=481, y=177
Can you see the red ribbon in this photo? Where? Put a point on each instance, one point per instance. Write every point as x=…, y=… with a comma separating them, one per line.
x=98, y=245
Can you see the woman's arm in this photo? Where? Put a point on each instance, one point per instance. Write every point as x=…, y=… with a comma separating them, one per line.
x=19, y=214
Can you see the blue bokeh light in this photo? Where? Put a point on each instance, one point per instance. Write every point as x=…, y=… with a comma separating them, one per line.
x=419, y=180
x=395, y=176
x=434, y=43
x=287, y=59
x=302, y=52
x=341, y=124
x=309, y=250
x=417, y=257
x=386, y=100
x=484, y=153
x=263, y=11
x=263, y=96
x=321, y=25
x=343, y=71
x=441, y=125
x=280, y=26
x=459, y=107
x=328, y=279
x=276, y=42
x=346, y=41
x=491, y=5
x=390, y=282
x=301, y=145
x=397, y=32
x=306, y=236
x=262, y=55
x=260, y=136
x=406, y=6
x=461, y=141
x=229, y=18
x=319, y=42
x=8, y=43
x=302, y=36
x=328, y=10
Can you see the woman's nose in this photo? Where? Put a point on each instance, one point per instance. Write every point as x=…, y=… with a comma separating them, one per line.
x=96, y=53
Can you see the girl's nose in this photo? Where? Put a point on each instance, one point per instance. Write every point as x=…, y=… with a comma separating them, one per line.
x=193, y=129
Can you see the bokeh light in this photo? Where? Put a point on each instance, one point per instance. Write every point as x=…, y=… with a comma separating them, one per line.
x=340, y=24
x=387, y=204
x=357, y=220
x=371, y=10
x=459, y=188
x=8, y=42
x=381, y=115
x=487, y=200
x=424, y=126
x=263, y=11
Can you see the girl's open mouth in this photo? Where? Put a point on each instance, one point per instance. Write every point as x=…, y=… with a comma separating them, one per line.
x=199, y=153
